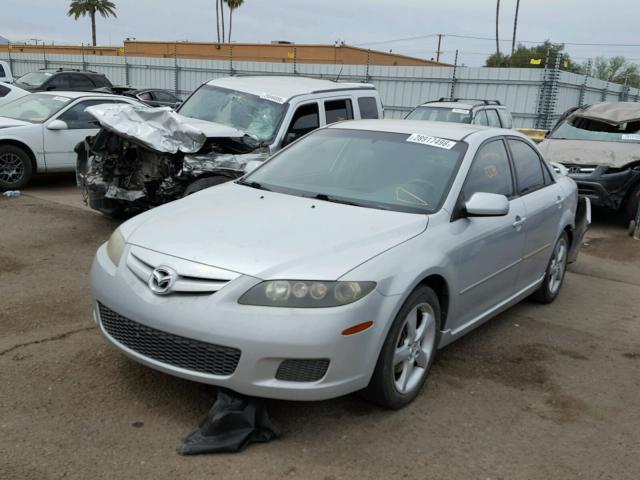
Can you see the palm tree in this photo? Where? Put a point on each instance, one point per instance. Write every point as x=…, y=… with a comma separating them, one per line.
x=515, y=27
x=218, y=18
x=222, y=17
x=497, y=32
x=233, y=4
x=80, y=8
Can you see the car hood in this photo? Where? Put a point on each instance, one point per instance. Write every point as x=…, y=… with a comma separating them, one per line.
x=271, y=235
x=589, y=152
x=11, y=122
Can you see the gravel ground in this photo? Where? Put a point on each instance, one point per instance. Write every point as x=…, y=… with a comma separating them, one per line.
x=539, y=392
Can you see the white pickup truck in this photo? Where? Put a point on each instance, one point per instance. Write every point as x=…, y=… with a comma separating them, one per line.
x=5, y=72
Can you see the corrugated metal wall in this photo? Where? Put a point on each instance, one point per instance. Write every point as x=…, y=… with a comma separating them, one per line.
x=401, y=88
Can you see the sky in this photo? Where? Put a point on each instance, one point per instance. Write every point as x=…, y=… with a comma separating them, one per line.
x=372, y=24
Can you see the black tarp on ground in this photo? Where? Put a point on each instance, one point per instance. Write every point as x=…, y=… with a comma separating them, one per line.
x=233, y=422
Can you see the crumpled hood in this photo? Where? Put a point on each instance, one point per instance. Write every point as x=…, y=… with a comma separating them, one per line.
x=270, y=235
x=160, y=129
x=589, y=152
x=11, y=122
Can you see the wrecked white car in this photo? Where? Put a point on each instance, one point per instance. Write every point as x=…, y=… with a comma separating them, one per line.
x=600, y=147
x=144, y=157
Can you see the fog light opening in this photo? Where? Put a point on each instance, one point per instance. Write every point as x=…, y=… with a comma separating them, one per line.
x=361, y=327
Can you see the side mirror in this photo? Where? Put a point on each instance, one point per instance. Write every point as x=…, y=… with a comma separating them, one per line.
x=487, y=205
x=57, y=125
x=252, y=165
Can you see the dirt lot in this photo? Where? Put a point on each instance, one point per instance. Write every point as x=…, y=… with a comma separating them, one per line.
x=539, y=392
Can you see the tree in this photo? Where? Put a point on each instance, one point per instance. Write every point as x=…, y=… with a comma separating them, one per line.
x=617, y=70
x=222, y=17
x=515, y=27
x=233, y=4
x=540, y=54
x=81, y=8
x=497, y=30
x=218, y=19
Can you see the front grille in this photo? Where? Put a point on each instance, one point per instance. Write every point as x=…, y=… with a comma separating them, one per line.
x=168, y=348
x=301, y=370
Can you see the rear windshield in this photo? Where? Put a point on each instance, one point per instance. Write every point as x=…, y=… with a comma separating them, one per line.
x=440, y=114
x=578, y=128
x=34, y=108
x=34, y=79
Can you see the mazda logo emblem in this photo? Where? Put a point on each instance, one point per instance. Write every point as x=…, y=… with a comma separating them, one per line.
x=162, y=280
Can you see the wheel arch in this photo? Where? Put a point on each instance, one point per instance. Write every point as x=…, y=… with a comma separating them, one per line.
x=25, y=147
x=439, y=285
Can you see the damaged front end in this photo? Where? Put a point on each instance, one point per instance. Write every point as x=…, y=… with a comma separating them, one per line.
x=144, y=157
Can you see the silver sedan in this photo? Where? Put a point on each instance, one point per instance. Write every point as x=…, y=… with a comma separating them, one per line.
x=341, y=264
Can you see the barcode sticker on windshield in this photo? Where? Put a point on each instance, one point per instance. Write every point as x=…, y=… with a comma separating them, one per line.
x=273, y=98
x=460, y=110
x=631, y=136
x=61, y=99
x=431, y=141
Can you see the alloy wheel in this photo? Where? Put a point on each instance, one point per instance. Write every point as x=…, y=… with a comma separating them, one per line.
x=557, y=266
x=414, y=348
x=11, y=168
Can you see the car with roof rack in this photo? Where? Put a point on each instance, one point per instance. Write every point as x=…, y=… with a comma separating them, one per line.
x=490, y=113
x=63, y=79
x=143, y=158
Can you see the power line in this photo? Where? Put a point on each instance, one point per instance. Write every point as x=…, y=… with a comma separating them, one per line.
x=473, y=37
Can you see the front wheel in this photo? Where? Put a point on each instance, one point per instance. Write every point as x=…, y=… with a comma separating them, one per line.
x=554, y=274
x=15, y=168
x=408, y=351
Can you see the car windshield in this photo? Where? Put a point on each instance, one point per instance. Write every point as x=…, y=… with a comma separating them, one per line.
x=34, y=79
x=389, y=171
x=441, y=114
x=253, y=115
x=578, y=128
x=34, y=108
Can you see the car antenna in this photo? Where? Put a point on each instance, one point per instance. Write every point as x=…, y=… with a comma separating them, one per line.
x=339, y=73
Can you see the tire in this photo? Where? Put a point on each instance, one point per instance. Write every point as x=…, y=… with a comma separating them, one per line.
x=386, y=385
x=554, y=275
x=632, y=202
x=16, y=168
x=203, y=183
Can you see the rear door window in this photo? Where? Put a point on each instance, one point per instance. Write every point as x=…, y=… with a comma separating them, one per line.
x=2, y=74
x=4, y=90
x=528, y=167
x=368, y=107
x=162, y=96
x=338, y=110
x=492, y=116
x=59, y=82
x=505, y=118
x=80, y=82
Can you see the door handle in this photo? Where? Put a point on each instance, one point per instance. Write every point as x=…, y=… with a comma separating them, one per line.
x=559, y=201
x=519, y=222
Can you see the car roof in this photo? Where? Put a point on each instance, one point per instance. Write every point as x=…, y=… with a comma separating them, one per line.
x=450, y=130
x=285, y=87
x=461, y=105
x=74, y=95
x=69, y=70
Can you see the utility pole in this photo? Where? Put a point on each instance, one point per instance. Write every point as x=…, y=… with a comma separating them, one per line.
x=440, y=35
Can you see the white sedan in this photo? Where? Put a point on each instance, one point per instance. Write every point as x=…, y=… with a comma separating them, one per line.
x=38, y=133
x=9, y=93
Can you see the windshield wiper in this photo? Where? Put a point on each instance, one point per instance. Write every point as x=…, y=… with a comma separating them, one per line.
x=329, y=198
x=252, y=184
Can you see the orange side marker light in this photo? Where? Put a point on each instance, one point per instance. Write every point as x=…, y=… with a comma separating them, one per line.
x=361, y=327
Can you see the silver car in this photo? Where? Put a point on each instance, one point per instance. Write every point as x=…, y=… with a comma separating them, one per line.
x=341, y=264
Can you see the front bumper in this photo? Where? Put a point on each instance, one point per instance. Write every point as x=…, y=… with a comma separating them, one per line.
x=264, y=336
x=603, y=186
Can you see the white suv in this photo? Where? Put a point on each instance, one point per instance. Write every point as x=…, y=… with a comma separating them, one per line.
x=490, y=113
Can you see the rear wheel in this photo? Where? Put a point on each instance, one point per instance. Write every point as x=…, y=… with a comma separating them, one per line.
x=203, y=183
x=15, y=167
x=554, y=274
x=408, y=351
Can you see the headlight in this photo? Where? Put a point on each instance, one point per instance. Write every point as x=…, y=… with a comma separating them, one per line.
x=115, y=246
x=305, y=294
